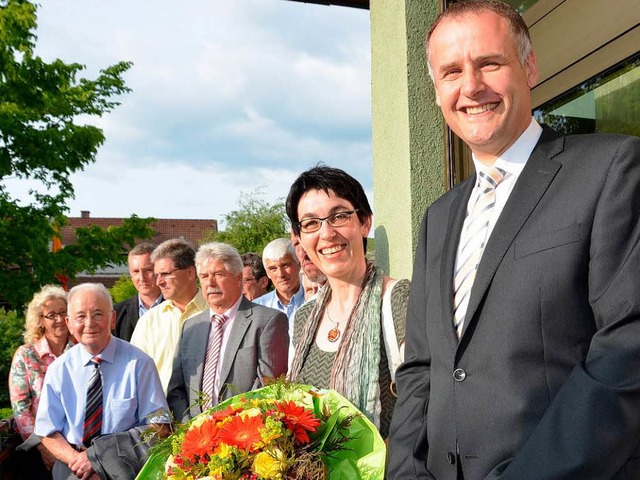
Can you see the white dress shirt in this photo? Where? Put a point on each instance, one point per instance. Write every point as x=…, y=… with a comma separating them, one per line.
x=512, y=161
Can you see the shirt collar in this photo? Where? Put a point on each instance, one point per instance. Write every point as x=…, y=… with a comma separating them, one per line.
x=198, y=301
x=107, y=355
x=42, y=347
x=296, y=300
x=515, y=157
x=157, y=302
x=231, y=312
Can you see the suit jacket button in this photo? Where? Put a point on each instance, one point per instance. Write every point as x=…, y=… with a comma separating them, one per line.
x=451, y=458
x=459, y=375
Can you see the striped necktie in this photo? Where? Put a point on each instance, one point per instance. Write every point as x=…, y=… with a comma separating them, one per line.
x=473, y=240
x=212, y=358
x=93, y=410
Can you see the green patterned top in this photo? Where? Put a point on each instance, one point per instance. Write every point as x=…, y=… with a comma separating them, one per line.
x=316, y=368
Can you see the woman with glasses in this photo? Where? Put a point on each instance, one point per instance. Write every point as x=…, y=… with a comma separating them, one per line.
x=46, y=337
x=349, y=337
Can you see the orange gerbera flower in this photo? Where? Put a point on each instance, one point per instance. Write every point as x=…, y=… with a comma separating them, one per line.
x=227, y=412
x=243, y=433
x=298, y=419
x=201, y=440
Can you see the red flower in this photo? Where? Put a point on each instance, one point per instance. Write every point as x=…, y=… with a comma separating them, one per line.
x=200, y=440
x=227, y=412
x=243, y=433
x=298, y=419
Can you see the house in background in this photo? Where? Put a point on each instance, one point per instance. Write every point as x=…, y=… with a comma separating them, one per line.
x=191, y=230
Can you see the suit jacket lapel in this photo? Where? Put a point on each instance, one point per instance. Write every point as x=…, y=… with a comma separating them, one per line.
x=198, y=342
x=457, y=214
x=532, y=183
x=238, y=329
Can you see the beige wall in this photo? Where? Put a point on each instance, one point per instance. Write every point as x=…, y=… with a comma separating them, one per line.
x=577, y=39
x=408, y=131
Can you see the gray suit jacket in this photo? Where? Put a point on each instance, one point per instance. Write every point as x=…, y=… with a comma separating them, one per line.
x=545, y=381
x=257, y=349
x=115, y=456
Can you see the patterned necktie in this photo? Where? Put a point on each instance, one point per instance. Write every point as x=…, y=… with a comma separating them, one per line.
x=93, y=410
x=473, y=240
x=212, y=357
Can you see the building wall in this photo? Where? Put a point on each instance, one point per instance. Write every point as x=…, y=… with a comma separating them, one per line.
x=408, y=130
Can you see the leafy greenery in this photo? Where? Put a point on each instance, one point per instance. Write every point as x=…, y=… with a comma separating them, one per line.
x=11, y=328
x=122, y=289
x=44, y=139
x=254, y=224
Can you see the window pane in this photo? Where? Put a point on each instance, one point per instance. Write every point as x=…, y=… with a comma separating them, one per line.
x=521, y=5
x=609, y=102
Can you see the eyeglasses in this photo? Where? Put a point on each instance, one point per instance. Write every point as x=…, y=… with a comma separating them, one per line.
x=52, y=315
x=82, y=317
x=169, y=274
x=313, y=224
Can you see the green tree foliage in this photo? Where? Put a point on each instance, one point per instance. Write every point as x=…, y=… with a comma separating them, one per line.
x=254, y=224
x=122, y=289
x=44, y=140
x=12, y=327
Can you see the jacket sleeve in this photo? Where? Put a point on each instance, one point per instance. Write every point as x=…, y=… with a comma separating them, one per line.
x=592, y=427
x=177, y=396
x=407, y=457
x=274, y=348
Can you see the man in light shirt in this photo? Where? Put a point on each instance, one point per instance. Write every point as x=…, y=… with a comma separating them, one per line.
x=233, y=346
x=158, y=330
x=283, y=269
x=131, y=394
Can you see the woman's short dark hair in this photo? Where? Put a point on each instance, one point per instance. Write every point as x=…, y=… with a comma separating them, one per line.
x=327, y=179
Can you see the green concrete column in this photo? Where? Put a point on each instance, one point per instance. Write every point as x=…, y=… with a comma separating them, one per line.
x=408, y=131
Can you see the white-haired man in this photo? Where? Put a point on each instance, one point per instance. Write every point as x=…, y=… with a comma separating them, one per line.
x=100, y=371
x=283, y=269
x=230, y=348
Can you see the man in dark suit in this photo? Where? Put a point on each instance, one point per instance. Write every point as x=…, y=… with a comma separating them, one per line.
x=230, y=348
x=144, y=280
x=522, y=358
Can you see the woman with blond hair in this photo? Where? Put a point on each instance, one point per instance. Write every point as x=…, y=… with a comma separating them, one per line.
x=46, y=337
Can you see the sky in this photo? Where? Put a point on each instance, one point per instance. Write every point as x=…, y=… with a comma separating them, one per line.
x=229, y=96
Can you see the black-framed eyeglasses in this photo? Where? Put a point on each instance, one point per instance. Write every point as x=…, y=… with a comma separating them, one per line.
x=169, y=274
x=338, y=219
x=52, y=315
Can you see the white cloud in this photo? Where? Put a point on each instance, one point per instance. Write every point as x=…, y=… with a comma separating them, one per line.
x=227, y=96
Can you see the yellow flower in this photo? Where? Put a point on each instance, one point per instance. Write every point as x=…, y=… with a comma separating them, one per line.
x=251, y=412
x=224, y=450
x=199, y=420
x=269, y=464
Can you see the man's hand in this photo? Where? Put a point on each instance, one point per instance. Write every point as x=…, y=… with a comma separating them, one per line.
x=81, y=466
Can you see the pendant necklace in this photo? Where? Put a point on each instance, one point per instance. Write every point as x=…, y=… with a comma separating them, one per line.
x=334, y=333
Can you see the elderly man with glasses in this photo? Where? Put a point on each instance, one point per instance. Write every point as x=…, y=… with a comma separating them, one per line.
x=99, y=396
x=158, y=331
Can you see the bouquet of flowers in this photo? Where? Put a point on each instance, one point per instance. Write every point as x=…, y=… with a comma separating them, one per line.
x=282, y=431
